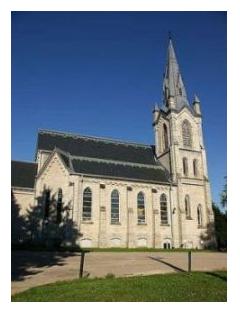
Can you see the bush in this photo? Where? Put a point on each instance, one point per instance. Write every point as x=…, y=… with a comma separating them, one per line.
x=110, y=276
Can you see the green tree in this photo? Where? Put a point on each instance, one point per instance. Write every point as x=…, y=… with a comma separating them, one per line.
x=33, y=228
x=224, y=195
x=220, y=227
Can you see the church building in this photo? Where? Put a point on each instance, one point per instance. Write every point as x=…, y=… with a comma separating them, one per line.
x=121, y=194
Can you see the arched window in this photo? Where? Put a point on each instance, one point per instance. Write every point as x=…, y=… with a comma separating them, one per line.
x=140, y=208
x=59, y=206
x=195, y=167
x=166, y=93
x=187, y=206
x=46, y=204
x=165, y=137
x=186, y=134
x=185, y=166
x=87, y=205
x=163, y=209
x=114, y=207
x=199, y=215
x=180, y=91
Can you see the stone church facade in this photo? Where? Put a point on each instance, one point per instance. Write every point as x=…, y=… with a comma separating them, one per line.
x=121, y=194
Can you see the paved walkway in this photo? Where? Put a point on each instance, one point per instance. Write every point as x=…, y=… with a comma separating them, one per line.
x=31, y=269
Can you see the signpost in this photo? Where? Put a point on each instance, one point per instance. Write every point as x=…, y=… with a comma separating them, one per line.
x=189, y=261
x=82, y=263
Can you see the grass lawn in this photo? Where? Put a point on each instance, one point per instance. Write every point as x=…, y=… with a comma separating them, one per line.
x=198, y=286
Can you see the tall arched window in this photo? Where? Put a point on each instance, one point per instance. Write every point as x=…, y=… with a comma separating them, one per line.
x=195, y=167
x=163, y=209
x=114, y=207
x=59, y=206
x=166, y=93
x=185, y=166
x=46, y=204
x=187, y=206
x=186, y=134
x=140, y=208
x=165, y=137
x=199, y=215
x=87, y=205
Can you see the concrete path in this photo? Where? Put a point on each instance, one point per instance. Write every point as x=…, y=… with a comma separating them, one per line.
x=30, y=269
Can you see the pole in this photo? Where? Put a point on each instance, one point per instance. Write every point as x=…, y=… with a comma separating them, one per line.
x=189, y=261
x=81, y=264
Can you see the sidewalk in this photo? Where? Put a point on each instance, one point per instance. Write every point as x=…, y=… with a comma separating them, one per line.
x=31, y=269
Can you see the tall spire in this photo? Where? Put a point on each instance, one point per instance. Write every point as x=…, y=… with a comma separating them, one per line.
x=173, y=88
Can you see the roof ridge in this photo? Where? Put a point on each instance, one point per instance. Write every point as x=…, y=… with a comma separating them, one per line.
x=24, y=161
x=96, y=138
x=61, y=151
x=117, y=162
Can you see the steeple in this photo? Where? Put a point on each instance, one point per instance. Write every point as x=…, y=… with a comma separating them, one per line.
x=173, y=88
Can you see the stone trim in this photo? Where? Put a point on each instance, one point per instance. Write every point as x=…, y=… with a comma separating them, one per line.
x=176, y=110
x=191, y=183
x=87, y=222
x=22, y=189
x=190, y=150
x=122, y=179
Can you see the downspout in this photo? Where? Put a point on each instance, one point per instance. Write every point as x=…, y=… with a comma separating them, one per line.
x=171, y=213
x=179, y=217
x=100, y=216
x=127, y=220
x=73, y=184
x=80, y=202
x=153, y=218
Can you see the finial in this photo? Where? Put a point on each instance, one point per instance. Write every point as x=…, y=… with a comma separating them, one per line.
x=196, y=105
x=169, y=35
x=196, y=99
x=156, y=108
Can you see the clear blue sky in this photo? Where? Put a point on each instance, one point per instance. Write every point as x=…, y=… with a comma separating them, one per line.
x=97, y=73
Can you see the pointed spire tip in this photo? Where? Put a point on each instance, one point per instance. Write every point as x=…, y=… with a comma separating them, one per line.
x=196, y=99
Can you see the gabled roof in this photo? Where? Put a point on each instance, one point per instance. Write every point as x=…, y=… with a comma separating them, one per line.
x=95, y=147
x=23, y=174
x=118, y=170
x=102, y=157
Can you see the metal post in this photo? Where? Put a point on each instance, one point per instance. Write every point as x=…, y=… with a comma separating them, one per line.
x=81, y=264
x=189, y=261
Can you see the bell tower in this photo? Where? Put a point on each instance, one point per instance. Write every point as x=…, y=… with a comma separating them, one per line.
x=179, y=146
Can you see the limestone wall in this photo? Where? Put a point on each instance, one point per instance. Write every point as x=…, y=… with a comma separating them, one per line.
x=128, y=232
x=99, y=231
x=23, y=199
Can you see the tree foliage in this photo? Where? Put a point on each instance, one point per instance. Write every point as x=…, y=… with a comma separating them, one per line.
x=220, y=227
x=33, y=228
x=224, y=195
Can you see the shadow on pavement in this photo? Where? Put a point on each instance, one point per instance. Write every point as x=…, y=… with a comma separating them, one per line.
x=160, y=260
x=31, y=263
